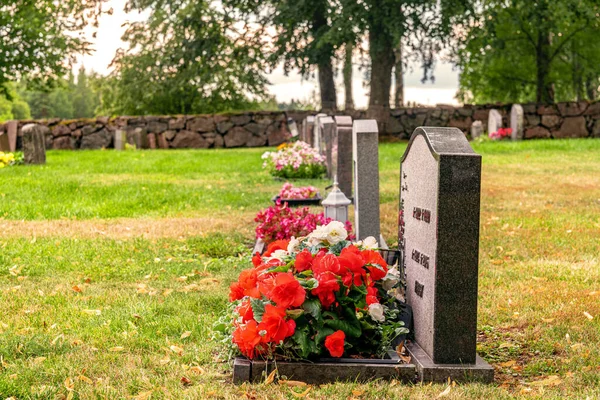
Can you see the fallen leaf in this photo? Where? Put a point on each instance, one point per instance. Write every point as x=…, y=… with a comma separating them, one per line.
x=69, y=384
x=39, y=360
x=548, y=320
x=292, y=383
x=508, y=363
x=76, y=288
x=182, y=278
x=92, y=312
x=186, y=381
x=358, y=393
x=588, y=315
x=167, y=292
x=186, y=334
x=300, y=395
x=271, y=377
x=552, y=380
x=176, y=349
x=445, y=393
x=117, y=349
x=594, y=293
x=197, y=370
x=165, y=361
x=85, y=379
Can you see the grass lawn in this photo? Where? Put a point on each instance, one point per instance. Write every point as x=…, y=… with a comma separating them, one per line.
x=114, y=265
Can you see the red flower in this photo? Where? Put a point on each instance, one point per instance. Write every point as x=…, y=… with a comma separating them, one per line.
x=328, y=263
x=287, y=291
x=248, y=281
x=351, y=259
x=246, y=337
x=372, y=295
x=273, y=321
x=335, y=343
x=245, y=311
x=374, y=258
x=304, y=260
x=256, y=259
x=328, y=285
x=276, y=245
x=236, y=292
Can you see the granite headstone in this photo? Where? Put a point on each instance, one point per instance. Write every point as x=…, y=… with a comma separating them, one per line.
x=516, y=122
x=11, y=131
x=438, y=233
x=328, y=138
x=365, y=153
x=308, y=129
x=476, y=129
x=34, y=143
x=494, y=121
x=317, y=133
x=342, y=152
x=120, y=139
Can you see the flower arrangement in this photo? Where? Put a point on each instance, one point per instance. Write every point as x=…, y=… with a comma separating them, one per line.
x=289, y=192
x=501, y=133
x=280, y=222
x=315, y=296
x=8, y=159
x=295, y=161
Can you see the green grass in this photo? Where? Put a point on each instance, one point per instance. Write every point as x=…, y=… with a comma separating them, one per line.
x=101, y=307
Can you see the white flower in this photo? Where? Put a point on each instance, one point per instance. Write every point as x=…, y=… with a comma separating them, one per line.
x=370, y=243
x=391, y=279
x=335, y=232
x=376, y=312
x=294, y=243
x=277, y=255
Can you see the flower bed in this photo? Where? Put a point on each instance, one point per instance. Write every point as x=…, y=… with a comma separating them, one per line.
x=298, y=196
x=280, y=222
x=296, y=160
x=314, y=297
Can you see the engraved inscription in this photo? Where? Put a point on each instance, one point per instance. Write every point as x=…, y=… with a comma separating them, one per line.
x=420, y=258
x=419, y=289
x=422, y=214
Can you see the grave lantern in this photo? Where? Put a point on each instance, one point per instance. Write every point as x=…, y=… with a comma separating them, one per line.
x=336, y=204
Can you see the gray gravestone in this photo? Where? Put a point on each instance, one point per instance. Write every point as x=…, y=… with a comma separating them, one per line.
x=342, y=152
x=120, y=139
x=476, y=129
x=308, y=129
x=328, y=138
x=138, y=137
x=494, y=121
x=440, y=181
x=365, y=152
x=34, y=143
x=4, y=145
x=516, y=122
x=11, y=131
x=317, y=132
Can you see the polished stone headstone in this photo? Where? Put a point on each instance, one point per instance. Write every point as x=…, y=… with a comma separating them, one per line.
x=476, y=129
x=34, y=143
x=365, y=153
x=11, y=131
x=516, y=122
x=317, y=133
x=308, y=129
x=329, y=137
x=494, y=121
x=342, y=152
x=440, y=182
x=120, y=139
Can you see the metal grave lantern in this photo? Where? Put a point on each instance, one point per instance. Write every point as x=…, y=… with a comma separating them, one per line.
x=336, y=204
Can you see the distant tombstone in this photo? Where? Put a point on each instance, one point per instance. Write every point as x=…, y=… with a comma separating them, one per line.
x=476, y=129
x=438, y=233
x=328, y=138
x=293, y=128
x=317, y=132
x=34, y=144
x=11, y=131
x=494, y=121
x=138, y=137
x=516, y=122
x=162, y=141
x=4, y=145
x=120, y=139
x=342, y=152
x=365, y=153
x=152, y=140
x=308, y=129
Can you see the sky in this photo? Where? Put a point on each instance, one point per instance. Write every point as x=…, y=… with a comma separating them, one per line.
x=285, y=88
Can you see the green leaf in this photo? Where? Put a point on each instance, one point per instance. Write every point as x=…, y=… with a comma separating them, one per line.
x=309, y=284
x=258, y=308
x=281, y=268
x=338, y=247
x=322, y=334
x=350, y=324
x=305, y=344
x=313, y=307
x=293, y=314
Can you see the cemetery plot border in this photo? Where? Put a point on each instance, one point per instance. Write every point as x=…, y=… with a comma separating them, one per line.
x=326, y=370
x=315, y=201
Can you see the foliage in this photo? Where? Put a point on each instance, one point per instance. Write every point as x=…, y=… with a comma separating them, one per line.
x=316, y=296
x=40, y=38
x=297, y=160
x=280, y=222
x=523, y=51
x=188, y=57
x=12, y=106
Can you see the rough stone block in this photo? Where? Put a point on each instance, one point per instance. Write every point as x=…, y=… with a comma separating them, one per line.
x=574, y=127
x=237, y=137
x=97, y=140
x=550, y=121
x=537, y=132
x=189, y=140
x=201, y=124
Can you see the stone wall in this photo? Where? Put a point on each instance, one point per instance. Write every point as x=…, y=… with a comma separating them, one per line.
x=255, y=129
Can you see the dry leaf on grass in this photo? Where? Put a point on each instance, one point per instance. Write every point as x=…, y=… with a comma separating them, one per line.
x=76, y=288
x=271, y=377
x=197, y=370
x=588, y=315
x=552, y=380
x=69, y=384
x=508, y=363
x=445, y=393
x=176, y=349
x=292, y=383
x=186, y=334
x=117, y=349
x=185, y=381
x=92, y=312
x=300, y=395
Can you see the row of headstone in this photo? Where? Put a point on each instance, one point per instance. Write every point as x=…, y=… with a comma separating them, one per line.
x=495, y=123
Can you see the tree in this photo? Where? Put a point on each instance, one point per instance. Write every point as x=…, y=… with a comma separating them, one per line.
x=347, y=72
x=188, y=57
x=11, y=104
x=84, y=100
x=521, y=50
x=39, y=38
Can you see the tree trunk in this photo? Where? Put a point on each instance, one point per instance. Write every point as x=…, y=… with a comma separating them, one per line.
x=399, y=77
x=591, y=88
x=347, y=72
x=544, y=90
x=381, y=50
x=327, y=86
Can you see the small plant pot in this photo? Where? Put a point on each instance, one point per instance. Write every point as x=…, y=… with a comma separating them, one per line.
x=314, y=201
